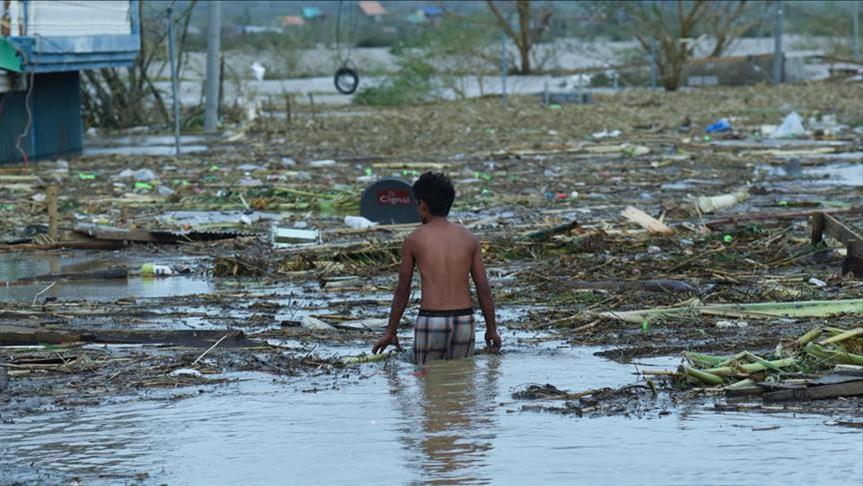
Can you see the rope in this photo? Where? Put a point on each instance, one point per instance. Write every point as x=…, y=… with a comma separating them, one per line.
x=352, y=21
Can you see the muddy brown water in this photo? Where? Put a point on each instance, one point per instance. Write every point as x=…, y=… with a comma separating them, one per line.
x=455, y=424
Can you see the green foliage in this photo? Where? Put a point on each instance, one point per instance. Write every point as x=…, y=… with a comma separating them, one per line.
x=411, y=84
x=448, y=51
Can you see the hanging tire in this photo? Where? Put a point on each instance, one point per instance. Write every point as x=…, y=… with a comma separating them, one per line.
x=346, y=80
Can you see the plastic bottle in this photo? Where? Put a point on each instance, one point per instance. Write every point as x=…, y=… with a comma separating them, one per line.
x=155, y=269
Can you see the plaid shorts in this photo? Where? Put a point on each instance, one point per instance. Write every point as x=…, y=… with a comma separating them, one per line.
x=443, y=335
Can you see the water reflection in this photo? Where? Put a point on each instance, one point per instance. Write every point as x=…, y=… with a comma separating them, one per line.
x=448, y=426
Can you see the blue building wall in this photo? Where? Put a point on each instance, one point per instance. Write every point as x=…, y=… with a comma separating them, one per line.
x=55, y=118
x=54, y=62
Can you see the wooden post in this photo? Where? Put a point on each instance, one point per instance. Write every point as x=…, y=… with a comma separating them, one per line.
x=271, y=108
x=817, y=222
x=52, y=213
x=288, y=109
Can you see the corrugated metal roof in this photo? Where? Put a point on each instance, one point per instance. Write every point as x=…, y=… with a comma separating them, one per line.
x=372, y=8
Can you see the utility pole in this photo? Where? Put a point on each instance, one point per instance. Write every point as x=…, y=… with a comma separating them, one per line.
x=503, y=67
x=855, y=6
x=211, y=110
x=777, y=42
x=174, y=81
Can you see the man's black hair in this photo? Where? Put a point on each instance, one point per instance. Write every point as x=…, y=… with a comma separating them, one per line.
x=437, y=191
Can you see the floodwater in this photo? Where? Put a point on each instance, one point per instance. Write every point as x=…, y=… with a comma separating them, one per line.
x=839, y=174
x=456, y=424
x=143, y=145
x=15, y=266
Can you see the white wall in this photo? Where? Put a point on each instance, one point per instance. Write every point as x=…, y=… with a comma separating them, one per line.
x=77, y=17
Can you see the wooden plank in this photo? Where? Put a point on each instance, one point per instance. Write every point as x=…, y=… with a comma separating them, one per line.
x=838, y=390
x=847, y=389
x=646, y=221
x=117, y=234
x=715, y=224
x=837, y=230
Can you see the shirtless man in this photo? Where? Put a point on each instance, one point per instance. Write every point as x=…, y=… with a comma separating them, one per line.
x=445, y=253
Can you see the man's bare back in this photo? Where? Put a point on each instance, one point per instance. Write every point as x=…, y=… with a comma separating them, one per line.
x=447, y=255
x=444, y=253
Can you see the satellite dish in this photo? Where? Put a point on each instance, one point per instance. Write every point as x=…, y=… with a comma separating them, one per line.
x=390, y=200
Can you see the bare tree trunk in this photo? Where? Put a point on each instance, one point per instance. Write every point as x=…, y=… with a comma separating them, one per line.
x=526, y=36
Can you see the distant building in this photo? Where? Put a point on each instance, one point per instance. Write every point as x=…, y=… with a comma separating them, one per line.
x=426, y=15
x=312, y=14
x=372, y=9
x=292, y=21
x=43, y=47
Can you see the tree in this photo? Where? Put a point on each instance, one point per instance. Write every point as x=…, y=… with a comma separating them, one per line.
x=527, y=35
x=672, y=30
x=726, y=22
x=673, y=26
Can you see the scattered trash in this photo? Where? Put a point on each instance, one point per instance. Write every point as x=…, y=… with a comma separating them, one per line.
x=719, y=126
x=186, y=372
x=724, y=324
x=709, y=204
x=281, y=237
x=62, y=166
x=359, y=222
x=816, y=282
x=258, y=70
x=315, y=324
x=791, y=127
x=646, y=221
x=322, y=163
x=156, y=270
x=143, y=175
x=606, y=134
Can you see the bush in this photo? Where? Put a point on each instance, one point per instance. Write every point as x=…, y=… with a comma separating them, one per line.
x=412, y=83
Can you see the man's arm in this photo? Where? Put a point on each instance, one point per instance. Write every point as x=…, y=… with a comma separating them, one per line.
x=400, y=298
x=486, y=303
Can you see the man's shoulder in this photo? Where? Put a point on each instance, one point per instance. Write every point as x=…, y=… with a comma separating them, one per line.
x=465, y=230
